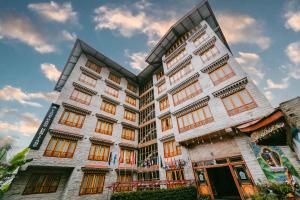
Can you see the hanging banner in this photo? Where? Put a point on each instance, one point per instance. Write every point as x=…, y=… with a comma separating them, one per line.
x=274, y=163
x=44, y=127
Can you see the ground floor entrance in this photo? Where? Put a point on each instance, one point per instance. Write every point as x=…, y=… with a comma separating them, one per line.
x=222, y=183
x=224, y=178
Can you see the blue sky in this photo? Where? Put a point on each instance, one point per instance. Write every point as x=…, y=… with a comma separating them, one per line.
x=36, y=38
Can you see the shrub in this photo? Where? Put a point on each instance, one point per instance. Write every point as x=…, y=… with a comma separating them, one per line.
x=182, y=193
x=273, y=191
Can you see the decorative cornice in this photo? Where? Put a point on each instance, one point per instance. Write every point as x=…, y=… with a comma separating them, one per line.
x=216, y=64
x=98, y=140
x=192, y=107
x=113, y=84
x=184, y=83
x=232, y=88
x=130, y=93
x=76, y=109
x=96, y=168
x=106, y=118
x=104, y=97
x=84, y=89
x=164, y=114
x=161, y=80
x=130, y=108
x=65, y=135
x=205, y=46
x=129, y=125
x=174, y=53
x=127, y=145
x=161, y=97
x=198, y=33
x=128, y=170
x=89, y=72
x=167, y=137
x=179, y=66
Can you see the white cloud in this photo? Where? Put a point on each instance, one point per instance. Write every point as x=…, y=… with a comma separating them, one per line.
x=68, y=36
x=6, y=140
x=136, y=60
x=7, y=112
x=251, y=63
x=20, y=28
x=282, y=85
x=9, y=93
x=293, y=52
x=292, y=15
x=25, y=123
x=128, y=23
x=54, y=11
x=269, y=95
x=239, y=28
x=50, y=71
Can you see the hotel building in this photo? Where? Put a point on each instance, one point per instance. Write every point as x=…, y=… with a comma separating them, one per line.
x=175, y=123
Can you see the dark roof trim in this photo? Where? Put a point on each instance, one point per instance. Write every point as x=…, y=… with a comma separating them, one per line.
x=76, y=109
x=106, y=118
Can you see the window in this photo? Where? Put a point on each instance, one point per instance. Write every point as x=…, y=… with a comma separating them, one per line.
x=176, y=58
x=81, y=97
x=93, y=66
x=209, y=54
x=175, y=175
x=238, y=102
x=147, y=133
x=161, y=87
x=164, y=103
x=159, y=74
x=73, y=119
x=221, y=74
x=146, y=98
x=174, y=78
x=148, y=156
x=62, y=148
x=126, y=179
x=131, y=116
x=112, y=91
x=166, y=123
x=203, y=37
x=99, y=152
x=127, y=156
x=87, y=80
x=104, y=127
x=146, y=86
x=114, y=78
x=128, y=134
x=131, y=100
x=92, y=183
x=108, y=107
x=187, y=93
x=131, y=87
x=42, y=183
x=194, y=119
x=171, y=148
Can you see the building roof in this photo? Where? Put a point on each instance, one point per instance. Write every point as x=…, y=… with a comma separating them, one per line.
x=201, y=11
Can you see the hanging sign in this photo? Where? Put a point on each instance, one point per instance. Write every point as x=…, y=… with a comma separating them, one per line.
x=44, y=127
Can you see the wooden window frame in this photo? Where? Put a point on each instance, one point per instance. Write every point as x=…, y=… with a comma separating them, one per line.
x=131, y=100
x=115, y=78
x=202, y=38
x=176, y=58
x=128, y=134
x=181, y=73
x=159, y=75
x=112, y=91
x=104, y=107
x=129, y=115
x=104, y=152
x=187, y=97
x=194, y=123
x=171, y=149
x=205, y=57
x=131, y=87
x=164, y=104
x=91, y=178
x=127, y=160
x=83, y=79
x=124, y=178
x=236, y=110
x=169, y=118
x=221, y=79
x=86, y=101
x=93, y=66
x=60, y=154
x=162, y=87
x=45, y=187
x=106, y=130
x=66, y=120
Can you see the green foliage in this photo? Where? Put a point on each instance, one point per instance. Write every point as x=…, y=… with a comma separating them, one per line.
x=273, y=191
x=181, y=193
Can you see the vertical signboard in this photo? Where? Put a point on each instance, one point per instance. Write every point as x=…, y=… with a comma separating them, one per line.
x=44, y=127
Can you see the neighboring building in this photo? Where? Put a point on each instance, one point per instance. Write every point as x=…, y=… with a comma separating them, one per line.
x=174, y=121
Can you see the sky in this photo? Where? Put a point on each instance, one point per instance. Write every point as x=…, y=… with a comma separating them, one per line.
x=36, y=38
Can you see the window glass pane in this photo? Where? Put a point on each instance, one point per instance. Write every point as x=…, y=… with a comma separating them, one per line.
x=228, y=103
x=236, y=100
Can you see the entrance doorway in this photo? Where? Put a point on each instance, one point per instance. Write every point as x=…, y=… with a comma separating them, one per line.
x=222, y=183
